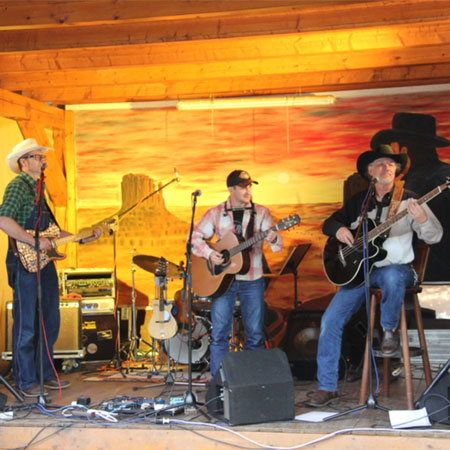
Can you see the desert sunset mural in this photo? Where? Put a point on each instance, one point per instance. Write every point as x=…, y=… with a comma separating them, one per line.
x=299, y=156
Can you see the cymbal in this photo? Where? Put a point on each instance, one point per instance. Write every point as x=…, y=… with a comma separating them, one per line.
x=152, y=264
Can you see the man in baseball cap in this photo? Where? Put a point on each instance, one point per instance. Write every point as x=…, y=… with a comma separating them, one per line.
x=237, y=218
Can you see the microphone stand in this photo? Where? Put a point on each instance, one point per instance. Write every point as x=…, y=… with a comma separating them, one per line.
x=189, y=396
x=39, y=200
x=371, y=402
x=115, y=218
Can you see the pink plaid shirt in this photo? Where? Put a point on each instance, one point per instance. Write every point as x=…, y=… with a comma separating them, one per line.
x=217, y=221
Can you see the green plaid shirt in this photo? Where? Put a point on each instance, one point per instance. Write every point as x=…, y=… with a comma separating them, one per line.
x=19, y=198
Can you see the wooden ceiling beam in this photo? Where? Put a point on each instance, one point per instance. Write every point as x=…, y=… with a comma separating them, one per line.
x=166, y=73
x=35, y=32
x=252, y=85
x=18, y=107
x=295, y=45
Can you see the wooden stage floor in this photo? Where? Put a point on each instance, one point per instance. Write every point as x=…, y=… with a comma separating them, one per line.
x=59, y=427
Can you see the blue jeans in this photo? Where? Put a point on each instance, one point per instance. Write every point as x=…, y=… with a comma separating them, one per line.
x=26, y=358
x=392, y=280
x=251, y=297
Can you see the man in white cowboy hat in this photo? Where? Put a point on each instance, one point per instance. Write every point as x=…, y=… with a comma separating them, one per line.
x=391, y=274
x=415, y=134
x=21, y=210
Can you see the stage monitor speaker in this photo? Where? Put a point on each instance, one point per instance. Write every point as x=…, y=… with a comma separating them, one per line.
x=252, y=387
x=69, y=337
x=436, y=397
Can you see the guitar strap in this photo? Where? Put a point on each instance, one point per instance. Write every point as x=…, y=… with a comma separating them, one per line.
x=396, y=198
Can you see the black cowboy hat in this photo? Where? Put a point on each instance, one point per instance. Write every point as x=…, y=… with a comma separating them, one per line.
x=383, y=151
x=410, y=125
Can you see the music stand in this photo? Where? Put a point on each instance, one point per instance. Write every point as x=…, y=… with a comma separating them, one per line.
x=291, y=265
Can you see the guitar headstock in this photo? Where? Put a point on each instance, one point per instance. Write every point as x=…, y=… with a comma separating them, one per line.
x=288, y=222
x=161, y=270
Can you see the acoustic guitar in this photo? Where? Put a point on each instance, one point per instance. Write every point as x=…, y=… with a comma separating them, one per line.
x=28, y=255
x=210, y=280
x=343, y=264
x=162, y=324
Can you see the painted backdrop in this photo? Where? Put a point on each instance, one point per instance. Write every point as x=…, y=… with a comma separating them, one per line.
x=300, y=156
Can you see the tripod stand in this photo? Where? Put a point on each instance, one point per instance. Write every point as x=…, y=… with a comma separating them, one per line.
x=371, y=402
x=11, y=389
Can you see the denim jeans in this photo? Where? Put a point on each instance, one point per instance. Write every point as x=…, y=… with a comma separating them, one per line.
x=26, y=356
x=392, y=280
x=251, y=297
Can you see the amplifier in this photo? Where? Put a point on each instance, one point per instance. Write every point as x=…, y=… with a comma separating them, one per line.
x=68, y=344
x=99, y=328
x=89, y=283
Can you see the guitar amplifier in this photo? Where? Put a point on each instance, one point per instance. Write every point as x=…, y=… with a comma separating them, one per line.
x=88, y=283
x=68, y=344
x=99, y=328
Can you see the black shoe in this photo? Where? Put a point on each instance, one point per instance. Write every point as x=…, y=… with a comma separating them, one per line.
x=322, y=398
x=390, y=342
x=33, y=391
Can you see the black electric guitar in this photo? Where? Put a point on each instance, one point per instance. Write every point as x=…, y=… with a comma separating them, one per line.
x=162, y=324
x=213, y=280
x=343, y=264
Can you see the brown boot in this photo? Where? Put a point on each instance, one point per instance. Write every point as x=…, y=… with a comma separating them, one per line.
x=390, y=342
x=322, y=398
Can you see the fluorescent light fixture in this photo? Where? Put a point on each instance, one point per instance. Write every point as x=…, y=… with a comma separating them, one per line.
x=255, y=102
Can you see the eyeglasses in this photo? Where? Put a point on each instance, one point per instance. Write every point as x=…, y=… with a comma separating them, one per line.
x=36, y=157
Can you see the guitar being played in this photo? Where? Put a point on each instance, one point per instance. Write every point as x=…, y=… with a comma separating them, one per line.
x=24, y=207
x=233, y=221
x=392, y=274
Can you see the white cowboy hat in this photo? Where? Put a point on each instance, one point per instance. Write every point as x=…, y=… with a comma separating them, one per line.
x=21, y=149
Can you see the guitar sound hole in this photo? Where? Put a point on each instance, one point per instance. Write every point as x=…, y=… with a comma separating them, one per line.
x=226, y=257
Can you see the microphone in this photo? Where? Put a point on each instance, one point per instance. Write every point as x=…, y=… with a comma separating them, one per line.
x=197, y=193
x=177, y=176
x=374, y=180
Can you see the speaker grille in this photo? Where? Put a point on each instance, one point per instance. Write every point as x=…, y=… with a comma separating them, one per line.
x=69, y=337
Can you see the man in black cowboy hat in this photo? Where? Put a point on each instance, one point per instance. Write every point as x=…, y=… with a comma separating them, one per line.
x=392, y=274
x=416, y=134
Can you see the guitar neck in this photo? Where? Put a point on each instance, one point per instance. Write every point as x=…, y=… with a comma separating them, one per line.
x=380, y=229
x=249, y=242
x=72, y=238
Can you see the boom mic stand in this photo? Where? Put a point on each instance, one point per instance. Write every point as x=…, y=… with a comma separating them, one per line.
x=371, y=402
x=189, y=396
x=116, y=218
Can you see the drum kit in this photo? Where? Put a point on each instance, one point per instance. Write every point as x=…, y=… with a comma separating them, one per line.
x=170, y=319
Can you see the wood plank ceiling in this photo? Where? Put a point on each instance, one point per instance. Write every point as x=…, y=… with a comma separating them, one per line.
x=101, y=51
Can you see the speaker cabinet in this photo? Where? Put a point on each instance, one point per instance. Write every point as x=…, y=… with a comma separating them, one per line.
x=252, y=387
x=302, y=340
x=69, y=338
x=99, y=334
x=436, y=397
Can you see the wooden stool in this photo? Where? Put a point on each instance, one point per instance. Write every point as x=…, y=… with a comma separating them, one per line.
x=411, y=296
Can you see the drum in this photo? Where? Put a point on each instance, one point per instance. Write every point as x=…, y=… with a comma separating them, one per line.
x=201, y=306
x=178, y=347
